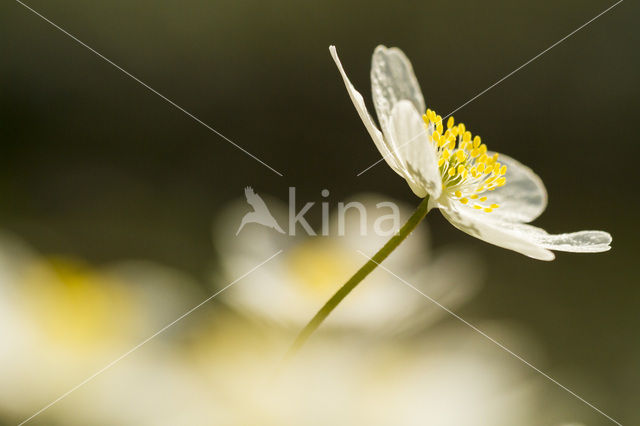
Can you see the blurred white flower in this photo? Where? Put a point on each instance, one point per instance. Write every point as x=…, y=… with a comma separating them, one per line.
x=489, y=199
x=61, y=321
x=294, y=286
x=445, y=379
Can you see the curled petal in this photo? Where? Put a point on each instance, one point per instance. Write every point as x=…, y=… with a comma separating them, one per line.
x=392, y=81
x=373, y=130
x=524, y=196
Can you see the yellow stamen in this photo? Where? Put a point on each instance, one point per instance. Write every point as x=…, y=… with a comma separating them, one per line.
x=450, y=122
x=471, y=170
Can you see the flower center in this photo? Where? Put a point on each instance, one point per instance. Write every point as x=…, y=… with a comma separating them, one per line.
x=466, y=169
x=318, y=265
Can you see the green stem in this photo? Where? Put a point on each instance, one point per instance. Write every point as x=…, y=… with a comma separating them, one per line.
x=365, y=270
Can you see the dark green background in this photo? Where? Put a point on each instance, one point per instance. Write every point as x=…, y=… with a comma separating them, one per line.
x=95, y=165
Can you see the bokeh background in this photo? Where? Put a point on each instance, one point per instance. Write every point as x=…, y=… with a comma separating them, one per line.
x=94, y=166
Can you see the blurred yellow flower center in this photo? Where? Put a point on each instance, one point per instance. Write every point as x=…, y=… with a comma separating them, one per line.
x=466, y=169
x=320, y=266
x=74, y=306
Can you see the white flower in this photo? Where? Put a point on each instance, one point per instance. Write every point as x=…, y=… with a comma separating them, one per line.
x=311, y=268
x=487, y=195
x=62, y=320
x=442, y=379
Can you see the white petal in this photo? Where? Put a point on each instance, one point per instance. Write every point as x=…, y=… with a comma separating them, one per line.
x=408, y=138
x=523, y=198
x=516, y=237
x=577, y=242
x=373, y=130
x=393, y=80
x=526, y=239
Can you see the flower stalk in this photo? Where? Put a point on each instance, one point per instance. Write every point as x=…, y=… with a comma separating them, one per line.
x=417, y=216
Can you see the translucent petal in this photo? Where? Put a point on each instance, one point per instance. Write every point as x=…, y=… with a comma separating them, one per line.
x=373, y=130
x=516, y=237
x=523, y=238
x=408, y=138
x=523, y=198
x=393, y=80
x=577, y=242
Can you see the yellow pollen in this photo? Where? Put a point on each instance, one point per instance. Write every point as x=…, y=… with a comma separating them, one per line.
x=494, y=206
x=450, y=122
x=488, y=210
x=477, y=207
x=463, y=162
